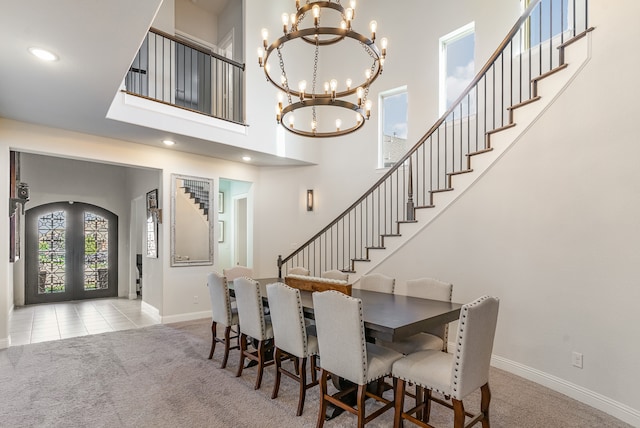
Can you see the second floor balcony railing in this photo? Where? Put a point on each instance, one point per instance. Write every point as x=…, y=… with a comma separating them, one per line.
x=178, y=73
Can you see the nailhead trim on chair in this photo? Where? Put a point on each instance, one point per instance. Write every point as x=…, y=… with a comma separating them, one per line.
x=263, y=327
x=303, y=327
x=227, y=297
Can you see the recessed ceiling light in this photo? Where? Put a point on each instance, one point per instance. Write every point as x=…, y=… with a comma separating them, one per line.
x=43, y=54
x=168, y=142
x=246, y=158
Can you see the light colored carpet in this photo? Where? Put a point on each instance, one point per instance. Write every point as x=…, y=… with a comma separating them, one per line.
x=160, y=376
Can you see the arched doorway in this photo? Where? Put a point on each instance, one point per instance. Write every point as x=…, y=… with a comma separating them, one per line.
x=71, y=252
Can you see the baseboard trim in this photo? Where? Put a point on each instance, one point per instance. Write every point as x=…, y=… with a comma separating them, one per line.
x=152, y=311
x=186, y=317
x=577, y=392
x=5, y=342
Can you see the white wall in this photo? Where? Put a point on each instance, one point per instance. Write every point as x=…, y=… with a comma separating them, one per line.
x=552, y=229
x=178, y=286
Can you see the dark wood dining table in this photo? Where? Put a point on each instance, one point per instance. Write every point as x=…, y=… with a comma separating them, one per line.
x=388, y=317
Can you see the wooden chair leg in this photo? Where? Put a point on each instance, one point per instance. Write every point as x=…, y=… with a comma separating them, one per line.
x=426, y=414
x=227, y=346
x=323, y=403
x=278, y=362
x=302, y=373
x=261, y=352
x=360, y=400
x=420, y=414
x=243, y=349
x=458, y=413
x=213, y=339
x=399, y=404
x=314, y=368
x=485, y=399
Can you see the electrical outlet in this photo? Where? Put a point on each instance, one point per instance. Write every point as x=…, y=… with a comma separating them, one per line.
x=576, y=359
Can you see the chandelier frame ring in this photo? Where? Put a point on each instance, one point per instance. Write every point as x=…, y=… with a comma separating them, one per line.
x=323, y=102
x=343, y=33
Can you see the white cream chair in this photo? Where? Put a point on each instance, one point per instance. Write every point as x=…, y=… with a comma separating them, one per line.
x=221, y=313
x=435, y=338
x=335, y=274
x=253, y=323
x=345, y=353
x=377, y=282
x=237, y=272
x=292, y=337
x=452, y=375
x=298, y=270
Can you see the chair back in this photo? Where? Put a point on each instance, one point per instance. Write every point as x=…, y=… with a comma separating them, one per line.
x=298, y=270
x=335, y=274
x=220, y=300
x=287, y=319
x=340, y=331
x=250, y=308
x=429, y=288
x=474, y=344
x=377, y=282
x=237, y=272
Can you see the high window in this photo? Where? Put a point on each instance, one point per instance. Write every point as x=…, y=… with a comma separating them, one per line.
x=548, y=19
x=457, y=67
x=393, y=126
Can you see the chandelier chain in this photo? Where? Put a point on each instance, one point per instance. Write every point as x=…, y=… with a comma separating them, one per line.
x=284, y=74
x=315, y=75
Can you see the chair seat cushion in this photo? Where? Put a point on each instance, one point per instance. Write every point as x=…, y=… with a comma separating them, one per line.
x=379, y=361
x=415, y=343
x=429, y=369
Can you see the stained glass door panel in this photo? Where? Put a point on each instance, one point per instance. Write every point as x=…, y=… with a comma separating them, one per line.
x=52, y=254
x=71, y=252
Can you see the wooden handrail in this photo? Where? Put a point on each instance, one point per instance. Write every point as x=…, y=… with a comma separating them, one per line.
x=196, y=47
x=479, y=76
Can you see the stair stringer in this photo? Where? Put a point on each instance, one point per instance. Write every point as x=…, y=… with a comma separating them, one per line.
x=577, y=55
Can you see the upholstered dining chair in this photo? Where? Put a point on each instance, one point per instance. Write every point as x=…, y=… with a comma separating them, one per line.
x=335, y=274
x=435, y=338
x=254, y=324
x=292, y=338
x=453, y=375
x=377, y=282
x=298, y=270
x=221, y=313
x=345, y=353
x=237, y=272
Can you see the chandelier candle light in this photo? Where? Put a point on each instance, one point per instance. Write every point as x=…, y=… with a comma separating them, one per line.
x=338, y=106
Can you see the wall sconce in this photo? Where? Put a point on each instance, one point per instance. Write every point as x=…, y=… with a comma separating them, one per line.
x=310, y=200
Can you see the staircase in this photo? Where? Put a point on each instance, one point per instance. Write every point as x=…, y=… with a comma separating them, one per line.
x=509, y=93
x=198, y=195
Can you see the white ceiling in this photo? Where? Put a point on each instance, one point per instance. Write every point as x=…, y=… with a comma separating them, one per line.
x=96, y=41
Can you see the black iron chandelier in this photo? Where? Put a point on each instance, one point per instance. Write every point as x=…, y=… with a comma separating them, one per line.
x=330, y=109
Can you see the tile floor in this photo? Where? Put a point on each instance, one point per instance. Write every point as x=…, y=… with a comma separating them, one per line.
x=53, y=321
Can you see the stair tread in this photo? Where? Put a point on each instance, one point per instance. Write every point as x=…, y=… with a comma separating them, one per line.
x=479, y=152
x=524, y=103
x=464, y=171
x=448, y=189
x=501, y=128
x=550, y=72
